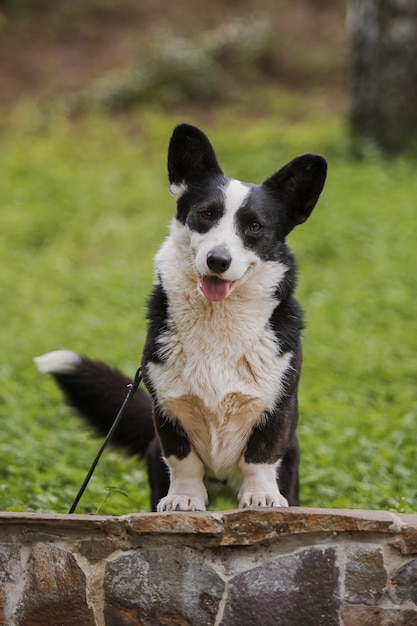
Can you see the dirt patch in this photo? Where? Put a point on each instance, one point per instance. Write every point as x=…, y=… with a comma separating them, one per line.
x=48, y=48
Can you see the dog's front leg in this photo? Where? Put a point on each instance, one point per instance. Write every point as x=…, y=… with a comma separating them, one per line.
x=259, y=486
x=187, y=491
x=260, y=463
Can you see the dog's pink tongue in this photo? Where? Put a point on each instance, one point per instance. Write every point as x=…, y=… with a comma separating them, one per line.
x=214, y=289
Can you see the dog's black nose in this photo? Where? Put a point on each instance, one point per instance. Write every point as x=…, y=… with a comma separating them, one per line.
x=219, y=260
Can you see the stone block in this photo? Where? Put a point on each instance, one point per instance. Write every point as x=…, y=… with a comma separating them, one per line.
x=365, y=576
x=54, y=591
x=404, y=581
x=409, y=540
x=2, y=608
x=359, y=615
x=96, y=550
x=257, y=526
x=301, y=588
x=168, y=586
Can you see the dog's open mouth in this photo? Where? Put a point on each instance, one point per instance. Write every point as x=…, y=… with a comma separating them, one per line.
x=214, y=288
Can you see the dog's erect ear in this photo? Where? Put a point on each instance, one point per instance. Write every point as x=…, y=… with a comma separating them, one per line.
x=298, y=186
x=190, y=156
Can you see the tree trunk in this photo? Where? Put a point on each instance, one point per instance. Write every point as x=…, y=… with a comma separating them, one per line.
x=384, y=74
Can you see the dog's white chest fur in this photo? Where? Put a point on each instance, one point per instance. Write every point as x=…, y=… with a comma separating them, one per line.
x=222, y=368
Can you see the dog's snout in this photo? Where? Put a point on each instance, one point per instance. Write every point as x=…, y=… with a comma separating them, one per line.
x=219, y=260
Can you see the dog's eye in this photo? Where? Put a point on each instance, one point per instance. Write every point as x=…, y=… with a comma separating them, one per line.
x=255, y=227
x=206, y=215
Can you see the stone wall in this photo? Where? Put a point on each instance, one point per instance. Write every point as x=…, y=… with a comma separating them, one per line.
x=292, y=567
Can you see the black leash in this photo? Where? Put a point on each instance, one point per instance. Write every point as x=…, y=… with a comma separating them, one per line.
x=133, y=387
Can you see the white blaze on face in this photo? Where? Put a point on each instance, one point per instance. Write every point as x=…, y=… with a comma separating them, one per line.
x=224, y=235
x=235, y=194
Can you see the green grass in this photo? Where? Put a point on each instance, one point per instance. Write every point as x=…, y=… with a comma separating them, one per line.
x=84, y=207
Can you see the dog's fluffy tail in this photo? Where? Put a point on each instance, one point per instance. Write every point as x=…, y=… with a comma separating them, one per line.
x=97, y=391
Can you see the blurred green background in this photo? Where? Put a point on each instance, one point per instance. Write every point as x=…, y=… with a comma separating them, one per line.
x=89, y=95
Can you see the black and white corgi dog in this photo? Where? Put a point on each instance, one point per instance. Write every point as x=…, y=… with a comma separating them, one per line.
x=222, y=358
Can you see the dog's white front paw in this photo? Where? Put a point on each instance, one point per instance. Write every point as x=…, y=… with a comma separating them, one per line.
x=256, y=499
x=187, y=491
x=259, y=486
x=180, y=503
